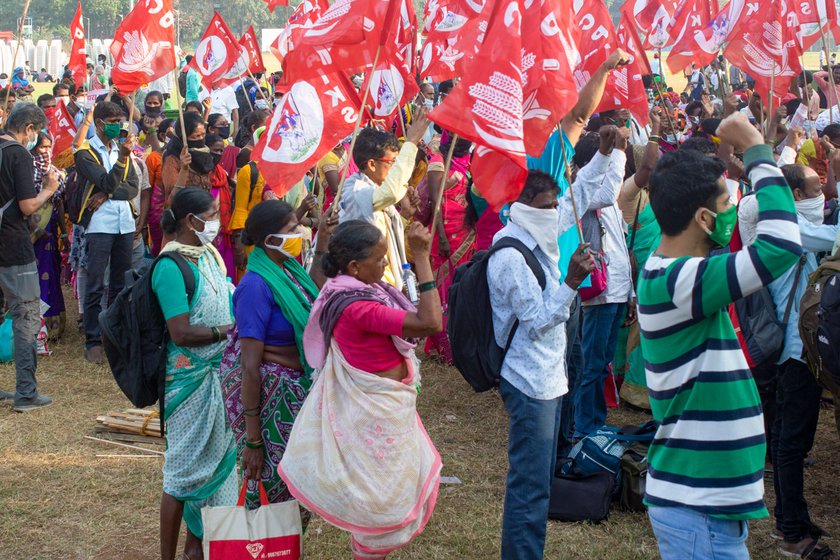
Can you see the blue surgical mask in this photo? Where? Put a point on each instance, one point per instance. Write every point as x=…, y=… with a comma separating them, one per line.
x=30, y=144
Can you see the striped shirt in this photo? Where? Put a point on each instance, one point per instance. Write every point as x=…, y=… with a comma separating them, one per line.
x=708, y=453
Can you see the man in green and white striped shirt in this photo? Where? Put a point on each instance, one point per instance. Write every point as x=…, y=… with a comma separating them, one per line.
x=706, y=463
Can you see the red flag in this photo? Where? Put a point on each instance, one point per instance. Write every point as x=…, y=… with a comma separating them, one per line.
x=762, y=45
x=455, y=39
x=390, y=87
x=347, y=36
x=624, y=87
x=252, y=46
x=812, y=17
x=304, y=17
x=250, y=60
x=692, y=25
x=217, y=52
x=514, y=93
x=78, y=58
x=143, y=47
x=308, y=122
x=654, y=18
x=274, y=3
x=626, y=82
x=62, y=127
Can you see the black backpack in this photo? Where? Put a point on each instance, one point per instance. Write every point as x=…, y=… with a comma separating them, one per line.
x=134, y=335
x=819, y=322
x=470, y=317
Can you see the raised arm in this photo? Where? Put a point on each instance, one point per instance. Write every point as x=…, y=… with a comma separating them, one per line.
x=590, y=96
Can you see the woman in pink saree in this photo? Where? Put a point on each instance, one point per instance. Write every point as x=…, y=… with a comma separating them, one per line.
x=454, y=242
x=358, y=454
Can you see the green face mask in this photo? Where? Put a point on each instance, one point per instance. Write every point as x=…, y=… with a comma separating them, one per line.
x=112, y=130
x=724, y=225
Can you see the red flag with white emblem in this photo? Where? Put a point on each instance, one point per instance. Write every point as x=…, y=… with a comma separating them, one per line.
x=698, y=38
x=217, y=52
x=653, y=18
x=453, y=38
x=274, y=3
x=144, y=45
x=514, y=93
x=62, y=127
x=625, y=82
x=252, y=46
x=347, y=36
x=304, y=17
x=250, y=60
x=78, y=56
x=764, y=46
x=309, y=121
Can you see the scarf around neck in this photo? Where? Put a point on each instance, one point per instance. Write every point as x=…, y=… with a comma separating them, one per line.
x=195, y=252
x=288, y=296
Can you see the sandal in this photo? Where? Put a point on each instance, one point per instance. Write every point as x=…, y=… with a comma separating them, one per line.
x=777, y=535
x=807, y=549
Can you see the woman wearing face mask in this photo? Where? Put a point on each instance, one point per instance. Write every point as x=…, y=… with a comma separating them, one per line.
x=189, y=165
x=47, y=231
x=199, y=466
x=366, y=464
x=150, y=123
x=454, y=242
x=265, y=375
x=221, y=191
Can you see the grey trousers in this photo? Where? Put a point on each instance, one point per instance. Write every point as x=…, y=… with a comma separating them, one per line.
x=23, y=293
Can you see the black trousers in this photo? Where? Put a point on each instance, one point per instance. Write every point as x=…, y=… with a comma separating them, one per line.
x=104, y=248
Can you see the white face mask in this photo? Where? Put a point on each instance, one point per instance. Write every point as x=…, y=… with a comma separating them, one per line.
x=812, y=209
x=430, y=103
x=65, y=98
x=543, y=225
x=211, y=230
x=261, y=104
x=672, y=138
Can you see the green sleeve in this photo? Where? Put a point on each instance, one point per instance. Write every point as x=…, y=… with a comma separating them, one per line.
x=168, y=285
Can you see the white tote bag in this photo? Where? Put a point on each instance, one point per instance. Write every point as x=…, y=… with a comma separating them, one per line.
x=236, y=533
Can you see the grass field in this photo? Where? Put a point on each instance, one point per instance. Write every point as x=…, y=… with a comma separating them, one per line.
x=57, y=500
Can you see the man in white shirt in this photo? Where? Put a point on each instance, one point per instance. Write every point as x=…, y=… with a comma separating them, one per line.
x=603, y=314
x=382, y=181
x=104, y=165
x=223, y=101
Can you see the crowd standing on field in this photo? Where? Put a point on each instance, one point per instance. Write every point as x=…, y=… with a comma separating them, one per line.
x=636, y=264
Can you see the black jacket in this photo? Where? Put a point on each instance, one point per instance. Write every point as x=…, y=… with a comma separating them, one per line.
x=117, y=184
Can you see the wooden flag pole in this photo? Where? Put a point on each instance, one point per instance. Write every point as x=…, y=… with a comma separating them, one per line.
x=830, y=76
x=247, y=97
x=180, y=108
x=446, y=166
x=355, y=132
x=568, y=171
x=769, y=132
x=14, y=60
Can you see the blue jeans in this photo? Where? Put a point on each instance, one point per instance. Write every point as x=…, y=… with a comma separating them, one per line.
x=532, y=454
x=684, y=534
x=599, y=336
x=574, y=367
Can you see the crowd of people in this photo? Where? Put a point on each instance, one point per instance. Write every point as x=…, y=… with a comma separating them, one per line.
x=292, y=330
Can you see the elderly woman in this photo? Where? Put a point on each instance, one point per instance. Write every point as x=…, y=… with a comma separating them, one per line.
x=199, y=466
x=358, y=454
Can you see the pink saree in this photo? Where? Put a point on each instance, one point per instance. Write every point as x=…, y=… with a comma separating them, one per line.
x=358, y=454
x=453, y=211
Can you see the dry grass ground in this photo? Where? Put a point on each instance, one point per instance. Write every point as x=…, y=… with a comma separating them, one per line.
x=57, y=500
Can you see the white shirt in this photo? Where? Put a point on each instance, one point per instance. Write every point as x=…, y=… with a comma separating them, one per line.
x=614, y=244
x=223, y=101
x=114, y=216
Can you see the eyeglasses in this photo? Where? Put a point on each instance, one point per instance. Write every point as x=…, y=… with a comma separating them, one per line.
x=383, y=160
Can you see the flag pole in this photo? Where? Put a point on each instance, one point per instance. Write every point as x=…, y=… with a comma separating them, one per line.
x=658, y=86
x=439, y=198
x=180, y=108
x=568, y=172
x=355, y=132
x=830, y=75
x=247, y=97
x=259, y=87
x=14, y=59
x=768, y=132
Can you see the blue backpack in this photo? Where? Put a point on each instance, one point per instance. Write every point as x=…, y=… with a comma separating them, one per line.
x=602, y=450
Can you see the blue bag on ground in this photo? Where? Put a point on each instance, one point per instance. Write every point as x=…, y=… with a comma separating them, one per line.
x=7, y=340
x=602, y=450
